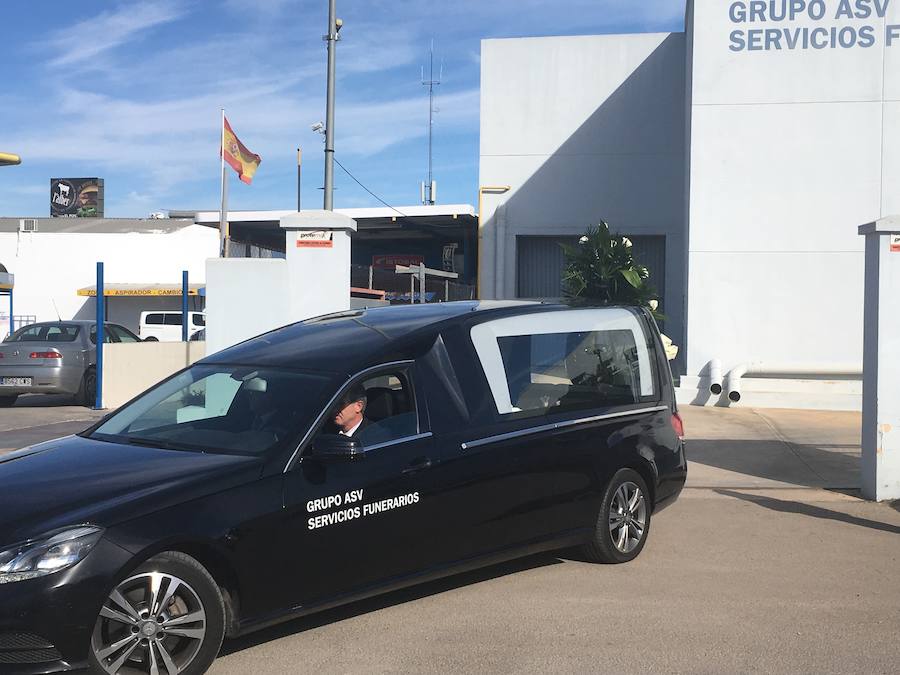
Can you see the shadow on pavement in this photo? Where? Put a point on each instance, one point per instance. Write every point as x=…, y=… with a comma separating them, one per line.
x=387, y=600
x=809, y=510
x=44, y=400
x=819, y=465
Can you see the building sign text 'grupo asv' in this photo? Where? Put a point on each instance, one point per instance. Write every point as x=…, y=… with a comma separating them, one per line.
x=769, y=25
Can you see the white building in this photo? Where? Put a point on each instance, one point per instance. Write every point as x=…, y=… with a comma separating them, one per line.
x=53, y=258
x=746, y=150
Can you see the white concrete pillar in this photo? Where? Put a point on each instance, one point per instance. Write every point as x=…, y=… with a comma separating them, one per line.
x=881, y=361
x=318, y=261
x=246, y=297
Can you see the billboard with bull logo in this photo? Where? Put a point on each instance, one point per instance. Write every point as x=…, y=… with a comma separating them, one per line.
x=76, y=197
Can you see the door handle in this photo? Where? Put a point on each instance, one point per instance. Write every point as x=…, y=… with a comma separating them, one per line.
x=418, y=465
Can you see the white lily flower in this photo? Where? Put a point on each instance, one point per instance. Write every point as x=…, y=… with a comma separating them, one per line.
x=654, y=304
x=583, y=240
x=626, y=241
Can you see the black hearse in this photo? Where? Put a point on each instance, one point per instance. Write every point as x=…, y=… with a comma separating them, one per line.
x=327, y=461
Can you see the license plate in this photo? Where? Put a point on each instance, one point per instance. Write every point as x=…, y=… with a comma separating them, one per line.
x=15, y=381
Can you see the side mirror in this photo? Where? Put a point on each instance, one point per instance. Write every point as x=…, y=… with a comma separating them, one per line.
x=337, y=446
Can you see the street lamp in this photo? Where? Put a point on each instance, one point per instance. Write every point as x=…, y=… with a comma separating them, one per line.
x=9, y=159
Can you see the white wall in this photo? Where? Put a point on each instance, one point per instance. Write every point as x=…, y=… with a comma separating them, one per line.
x=248, y=297
x=131, y=368
x=244, y=297
x=50, y=267
x=790, y=151
x=583, y=129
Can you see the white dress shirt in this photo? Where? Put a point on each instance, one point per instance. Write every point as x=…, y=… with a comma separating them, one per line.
x=353, y=430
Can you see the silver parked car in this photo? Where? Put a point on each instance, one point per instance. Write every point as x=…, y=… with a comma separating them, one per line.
x=54, y=358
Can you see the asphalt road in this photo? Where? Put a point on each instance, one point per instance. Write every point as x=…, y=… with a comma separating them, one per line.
x=35, y=418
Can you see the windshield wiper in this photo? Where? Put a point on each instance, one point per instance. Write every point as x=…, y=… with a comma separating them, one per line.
x=158, y=443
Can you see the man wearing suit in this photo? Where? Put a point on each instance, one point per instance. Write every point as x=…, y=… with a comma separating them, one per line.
x=350, y=418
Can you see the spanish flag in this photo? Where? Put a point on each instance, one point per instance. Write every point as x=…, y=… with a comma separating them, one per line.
x=238, y=156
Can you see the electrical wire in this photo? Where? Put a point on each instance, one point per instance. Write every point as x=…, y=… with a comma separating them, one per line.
x=346, y=171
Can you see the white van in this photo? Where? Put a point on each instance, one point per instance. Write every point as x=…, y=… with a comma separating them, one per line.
x=166, y=326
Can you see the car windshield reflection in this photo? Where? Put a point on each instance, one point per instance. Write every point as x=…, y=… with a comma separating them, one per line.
x=219, y=408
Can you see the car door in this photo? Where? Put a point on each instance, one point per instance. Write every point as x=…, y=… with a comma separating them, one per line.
x=352, y=523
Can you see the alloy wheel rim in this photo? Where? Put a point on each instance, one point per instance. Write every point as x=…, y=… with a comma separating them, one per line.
x=627, y=517
x=151, y=623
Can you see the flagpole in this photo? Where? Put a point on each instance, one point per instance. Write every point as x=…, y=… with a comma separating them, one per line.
x=223, y=207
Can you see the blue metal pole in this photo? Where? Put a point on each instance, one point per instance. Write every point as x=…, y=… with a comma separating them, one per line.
x=101, y=319
x=12, y=323
x=184, y=306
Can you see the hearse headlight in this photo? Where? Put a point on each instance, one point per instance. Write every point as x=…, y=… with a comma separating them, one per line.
x=48, y=554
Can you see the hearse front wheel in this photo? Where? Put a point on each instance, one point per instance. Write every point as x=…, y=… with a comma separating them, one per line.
x=167, y=617
x=624, y=521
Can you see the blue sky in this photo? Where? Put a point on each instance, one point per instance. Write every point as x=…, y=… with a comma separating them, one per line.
x=131, y=92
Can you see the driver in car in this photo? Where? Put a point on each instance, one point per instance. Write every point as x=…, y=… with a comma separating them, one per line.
x=350, y=418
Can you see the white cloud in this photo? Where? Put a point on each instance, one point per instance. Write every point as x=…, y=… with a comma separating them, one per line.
x=94, y=36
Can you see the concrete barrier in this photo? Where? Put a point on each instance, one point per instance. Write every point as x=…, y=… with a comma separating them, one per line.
x=130, y=368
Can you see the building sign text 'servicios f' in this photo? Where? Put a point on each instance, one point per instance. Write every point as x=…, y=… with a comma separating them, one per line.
x=771, y=25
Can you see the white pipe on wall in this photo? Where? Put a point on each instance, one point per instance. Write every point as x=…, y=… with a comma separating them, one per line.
x=715, y=377
x=500, y=252
x=733, y=380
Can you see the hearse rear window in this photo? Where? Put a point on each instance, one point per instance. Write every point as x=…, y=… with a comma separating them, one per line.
x=570, y=360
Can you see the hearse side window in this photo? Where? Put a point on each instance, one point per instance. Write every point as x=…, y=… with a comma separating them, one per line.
x=390, y=410
x=571, y=360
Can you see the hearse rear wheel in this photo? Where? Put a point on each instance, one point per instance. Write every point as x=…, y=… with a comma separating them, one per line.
x=166, y=618
x=624, y=521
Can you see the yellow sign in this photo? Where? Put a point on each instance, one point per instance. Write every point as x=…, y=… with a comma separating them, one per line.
x=135, y=292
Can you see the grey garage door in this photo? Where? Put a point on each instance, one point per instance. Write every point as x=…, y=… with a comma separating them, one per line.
x=540, y=263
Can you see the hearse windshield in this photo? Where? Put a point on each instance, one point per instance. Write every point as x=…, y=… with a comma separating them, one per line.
x=219, y=408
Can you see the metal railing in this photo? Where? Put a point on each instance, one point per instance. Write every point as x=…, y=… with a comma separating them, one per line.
x=397, y=287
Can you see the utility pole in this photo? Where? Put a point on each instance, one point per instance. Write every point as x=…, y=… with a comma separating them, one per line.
x=334, y=27
x=429, y=187
x=299, y=175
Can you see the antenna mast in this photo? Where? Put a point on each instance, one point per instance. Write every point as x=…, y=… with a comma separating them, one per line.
x=429, y=188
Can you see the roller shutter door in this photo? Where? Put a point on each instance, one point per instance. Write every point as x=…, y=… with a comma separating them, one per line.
x=540, y=262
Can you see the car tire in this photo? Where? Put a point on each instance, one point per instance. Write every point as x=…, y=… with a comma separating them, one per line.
x=151, y=339
x=87, y=392
x=623, y=524
x=163, y=638
x=8, y=401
